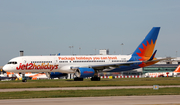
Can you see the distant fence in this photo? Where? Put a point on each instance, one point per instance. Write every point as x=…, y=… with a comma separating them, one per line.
x=124, y=76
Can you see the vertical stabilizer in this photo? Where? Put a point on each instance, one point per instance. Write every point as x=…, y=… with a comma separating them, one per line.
x=177, y=70
x=145, y=50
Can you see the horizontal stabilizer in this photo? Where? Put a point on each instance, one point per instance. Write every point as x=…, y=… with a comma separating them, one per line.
x=157, y=60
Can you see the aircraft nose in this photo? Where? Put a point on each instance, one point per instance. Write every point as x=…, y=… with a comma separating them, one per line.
x=6, y=68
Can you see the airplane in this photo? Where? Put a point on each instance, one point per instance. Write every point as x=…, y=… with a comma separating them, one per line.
x=176, y=72
x=33, y=76
x=4, y=76
x=89, y=65
x=46, y=76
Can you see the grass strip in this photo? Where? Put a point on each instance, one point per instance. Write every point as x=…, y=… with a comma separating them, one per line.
x=88, y=83
x=88, y=93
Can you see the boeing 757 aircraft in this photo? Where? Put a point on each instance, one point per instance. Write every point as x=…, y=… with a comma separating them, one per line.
x=89, y=66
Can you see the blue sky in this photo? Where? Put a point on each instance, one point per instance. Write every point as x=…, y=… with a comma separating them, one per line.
x=43, y=27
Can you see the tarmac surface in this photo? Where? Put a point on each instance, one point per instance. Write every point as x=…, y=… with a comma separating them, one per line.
x=113, y=100
x=110, y=100
x=82, y=88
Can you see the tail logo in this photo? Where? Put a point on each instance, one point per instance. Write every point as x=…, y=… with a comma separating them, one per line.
x=177, y=69
x=146, y=50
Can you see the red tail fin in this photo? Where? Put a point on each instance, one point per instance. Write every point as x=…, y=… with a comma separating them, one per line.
x=177, y=69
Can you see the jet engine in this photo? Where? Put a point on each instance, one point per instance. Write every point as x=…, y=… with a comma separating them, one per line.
x=84, y=72
x=55, y=74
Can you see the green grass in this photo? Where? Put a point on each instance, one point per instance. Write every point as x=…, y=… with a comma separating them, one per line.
x=88, y=93
x=88, y=83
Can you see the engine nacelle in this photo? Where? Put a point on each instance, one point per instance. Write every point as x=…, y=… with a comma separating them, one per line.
x=55, y=74
x=84, y=72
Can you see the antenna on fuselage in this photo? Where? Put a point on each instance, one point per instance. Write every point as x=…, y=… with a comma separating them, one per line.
x=21, y=53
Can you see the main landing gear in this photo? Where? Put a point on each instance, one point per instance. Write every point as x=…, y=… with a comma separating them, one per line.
x=95, y=78
x=24, y=79
x=78, y=79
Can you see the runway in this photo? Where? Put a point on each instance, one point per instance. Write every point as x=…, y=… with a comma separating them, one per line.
x=83, y=88
x=110, y=100
x=113, y=100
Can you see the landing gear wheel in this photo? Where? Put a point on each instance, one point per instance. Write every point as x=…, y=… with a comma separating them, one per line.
x=95, y=79
x=24, y=80
x=78, y=79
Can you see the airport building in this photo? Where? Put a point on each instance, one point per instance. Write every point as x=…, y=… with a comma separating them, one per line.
x=163, y=66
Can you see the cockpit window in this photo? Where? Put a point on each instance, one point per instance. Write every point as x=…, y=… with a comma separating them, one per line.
x=12, y=62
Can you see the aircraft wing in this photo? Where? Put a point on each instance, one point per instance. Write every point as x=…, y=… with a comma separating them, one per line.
x=113, y=66
x=108, y=67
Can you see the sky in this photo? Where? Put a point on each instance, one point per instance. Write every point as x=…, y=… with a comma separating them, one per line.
x=43, y=27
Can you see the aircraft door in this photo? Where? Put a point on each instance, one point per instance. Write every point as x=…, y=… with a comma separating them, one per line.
x=56, y=61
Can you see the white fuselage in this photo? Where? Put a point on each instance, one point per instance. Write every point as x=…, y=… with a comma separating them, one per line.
x=63, y=64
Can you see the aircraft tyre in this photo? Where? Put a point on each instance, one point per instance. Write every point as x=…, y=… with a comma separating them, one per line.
x=24, y=80
x=95, y=79
x=78, y=79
